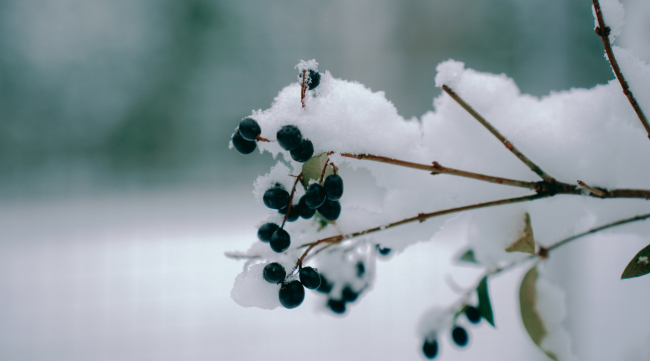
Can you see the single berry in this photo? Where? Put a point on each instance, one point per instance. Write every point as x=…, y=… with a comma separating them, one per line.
x=459, y=335
x=276, y=198
x=294, y=213
x=304, y=210
x=361, y=269
x=330, y=210
x=266, y=231
x=315, y=196
x=337, y=306
x=274, y=272
x=333, y=187
x=314, y=79
x=304, y=152
x=309, y=278
x=325, y=285
x=430, y=349
x=242, y=145
x=292, y=294
x=473, y=314
x=349, y=295
x=289, y=137
x=280, y=240
x=249, y=129
x=383, y=251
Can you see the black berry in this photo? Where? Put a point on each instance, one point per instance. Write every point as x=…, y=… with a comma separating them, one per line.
x=330, y=210
x=304, y=152
x=304, y=210
x=274, y=272
x=333, y=187
x=459, y=335
x=325, y=285
x=276, y=198
x=289, y=137
x=473, y=314
x=309, y=278
x=242, y=145
x=249, y=129
x=314, y=77
x=361, y=269
x=292, y=294
x=430, y=349
x=265, y=232
x=383, y=251
x=315, y=196
x=337, y=306
x=294, y=213
x=349, y=295
x=280, y=240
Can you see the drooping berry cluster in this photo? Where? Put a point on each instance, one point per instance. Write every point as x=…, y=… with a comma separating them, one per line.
x=458, y=334
x=348, y=294
x=292, y=292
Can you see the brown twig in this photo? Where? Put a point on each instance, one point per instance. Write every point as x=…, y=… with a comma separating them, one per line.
x=595, y=191
x=603, y=31
x=322, y=173
x=499, y=136
x=293, y=191
x=261, y=139
x=303, y=88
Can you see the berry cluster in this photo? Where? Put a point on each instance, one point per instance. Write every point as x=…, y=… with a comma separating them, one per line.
x=348, y=294
x=458, y=334
x=292, y=292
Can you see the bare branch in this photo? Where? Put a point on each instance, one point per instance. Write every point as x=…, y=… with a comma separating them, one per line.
x=303, y=88
x=499, y=136
x=603, y=31
x=595, y=191
x=293, y=191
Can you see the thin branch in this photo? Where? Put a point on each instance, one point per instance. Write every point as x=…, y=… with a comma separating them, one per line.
x=261, y=139
x=322, y=173
x=293, y=191
x=499, y=136
x=303, y=88
x=239, y=256
x=597, y=229
x=595, y=191
x=436, y=168
x=603, y=31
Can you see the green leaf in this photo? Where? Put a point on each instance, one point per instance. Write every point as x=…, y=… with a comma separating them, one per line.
x=484, y=306
x=468, y=256
x=639, y=265
x=529, y=314
x=526, y=241
x=313, y=168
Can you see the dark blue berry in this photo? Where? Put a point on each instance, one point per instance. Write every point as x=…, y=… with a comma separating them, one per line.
x=304, y=152
x=459, y=335
x=309, y=278
x=337, y=306
x=315, y=196
x=249, y=129
x=265, y=232
x=349, y=295
x=242, y=145
x=289, y=137
x=280, y=240
x=330, y=210
x=304, y=210
x=383, y=251
x=333, y=187
x=292, y=294
x=361, y=269
x=325, y=285
x=314, y=79
x=276, y=198
x=473, y=314
x=430, y=349
x=294, y=213
x=274, y=272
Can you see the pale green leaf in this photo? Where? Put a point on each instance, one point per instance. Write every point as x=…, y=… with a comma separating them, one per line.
x=529, y=314
x=313, y=168
x=639, y=265
x=526, y=241
x=468, y=256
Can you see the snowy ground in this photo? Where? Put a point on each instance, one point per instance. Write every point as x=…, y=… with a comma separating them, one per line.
x=143, y=277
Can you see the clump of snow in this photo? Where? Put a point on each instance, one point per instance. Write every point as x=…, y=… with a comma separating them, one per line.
x=251, y=290
x=433, y=320
x=637, y=75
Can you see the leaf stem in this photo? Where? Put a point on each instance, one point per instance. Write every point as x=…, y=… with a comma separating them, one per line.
x=303, y=88
x=603, y=31
x=499, y=136
x=293, y=191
